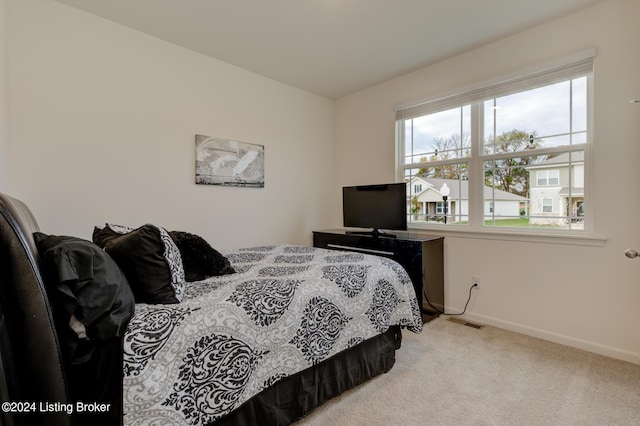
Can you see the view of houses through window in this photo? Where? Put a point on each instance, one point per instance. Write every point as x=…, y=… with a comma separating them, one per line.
x=511, y=160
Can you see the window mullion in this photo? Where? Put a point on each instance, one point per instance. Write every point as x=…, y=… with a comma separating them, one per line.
x=476, y=178
x=400, y=149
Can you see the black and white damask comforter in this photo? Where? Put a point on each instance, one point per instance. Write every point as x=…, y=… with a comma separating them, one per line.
x=287, y=308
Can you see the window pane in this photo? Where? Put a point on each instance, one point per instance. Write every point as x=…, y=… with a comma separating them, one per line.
x=429, y=205
x=549, y=116
x=440, y=136
x=579, y=106
x=506, y=192
x=543, y=177
x=548, y=104
x=537, y=191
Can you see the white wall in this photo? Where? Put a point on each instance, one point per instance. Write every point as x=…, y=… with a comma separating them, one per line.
x=4, y=97
x=103, y=124
x=584, y=296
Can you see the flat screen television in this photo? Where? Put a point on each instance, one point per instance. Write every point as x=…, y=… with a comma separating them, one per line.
x=375, y=206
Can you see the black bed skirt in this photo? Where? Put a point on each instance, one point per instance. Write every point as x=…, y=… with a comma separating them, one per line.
x=294, y=397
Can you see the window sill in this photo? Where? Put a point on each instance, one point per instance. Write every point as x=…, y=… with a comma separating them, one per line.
x=546, y=237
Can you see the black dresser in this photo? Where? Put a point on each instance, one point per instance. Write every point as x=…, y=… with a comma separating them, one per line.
x=421, y=256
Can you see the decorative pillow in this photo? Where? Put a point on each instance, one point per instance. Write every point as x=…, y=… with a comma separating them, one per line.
x=171, y=252
x=120, y=229
x=199, y=259
x=91, y=298
x=149, y=258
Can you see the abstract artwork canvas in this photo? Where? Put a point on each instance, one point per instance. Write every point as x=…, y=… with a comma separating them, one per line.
x=229, y=163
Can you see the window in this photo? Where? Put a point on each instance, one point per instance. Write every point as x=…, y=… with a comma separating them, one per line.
x=507, y=152
x=548, y=177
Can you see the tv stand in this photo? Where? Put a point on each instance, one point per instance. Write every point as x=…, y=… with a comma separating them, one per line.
x=422, y=256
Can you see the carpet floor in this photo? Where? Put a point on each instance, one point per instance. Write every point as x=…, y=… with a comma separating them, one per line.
x=452, y=374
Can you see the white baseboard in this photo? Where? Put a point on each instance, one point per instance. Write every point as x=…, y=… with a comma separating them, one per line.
x=586, y=345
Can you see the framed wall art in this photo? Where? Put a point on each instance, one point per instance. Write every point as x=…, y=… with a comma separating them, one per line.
x=229, y=163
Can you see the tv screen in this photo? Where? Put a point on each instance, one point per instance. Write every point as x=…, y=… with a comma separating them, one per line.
x=375, y=206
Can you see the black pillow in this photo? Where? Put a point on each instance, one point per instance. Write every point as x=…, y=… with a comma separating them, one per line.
x=84, y=282
x=199, y=259
x=140, y=254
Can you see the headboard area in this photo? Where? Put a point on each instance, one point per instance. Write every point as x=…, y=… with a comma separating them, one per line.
x=30, y=354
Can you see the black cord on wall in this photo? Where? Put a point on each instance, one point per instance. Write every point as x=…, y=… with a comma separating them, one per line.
x=426, y=297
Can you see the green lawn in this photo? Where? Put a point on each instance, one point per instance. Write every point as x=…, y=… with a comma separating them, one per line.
x=521, y=222
x=518, y=223
x=512, y=223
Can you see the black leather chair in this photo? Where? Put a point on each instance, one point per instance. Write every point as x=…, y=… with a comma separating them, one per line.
x=30, y=354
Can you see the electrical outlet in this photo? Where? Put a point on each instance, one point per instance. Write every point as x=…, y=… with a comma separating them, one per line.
x=475, y=281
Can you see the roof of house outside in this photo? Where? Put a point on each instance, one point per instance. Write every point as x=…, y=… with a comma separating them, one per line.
x=562, y=159
x=460, y=189
x=565, y=191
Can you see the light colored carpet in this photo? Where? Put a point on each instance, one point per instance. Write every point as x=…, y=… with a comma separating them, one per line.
x=452, y=374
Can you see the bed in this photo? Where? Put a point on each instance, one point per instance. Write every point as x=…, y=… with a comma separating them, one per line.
x=290, y=328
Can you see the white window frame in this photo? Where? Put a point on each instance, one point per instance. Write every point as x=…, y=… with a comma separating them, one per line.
x=476, y=197
x=547, y=203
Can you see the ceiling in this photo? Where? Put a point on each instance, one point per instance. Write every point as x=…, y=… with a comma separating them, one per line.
x=330, y=47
